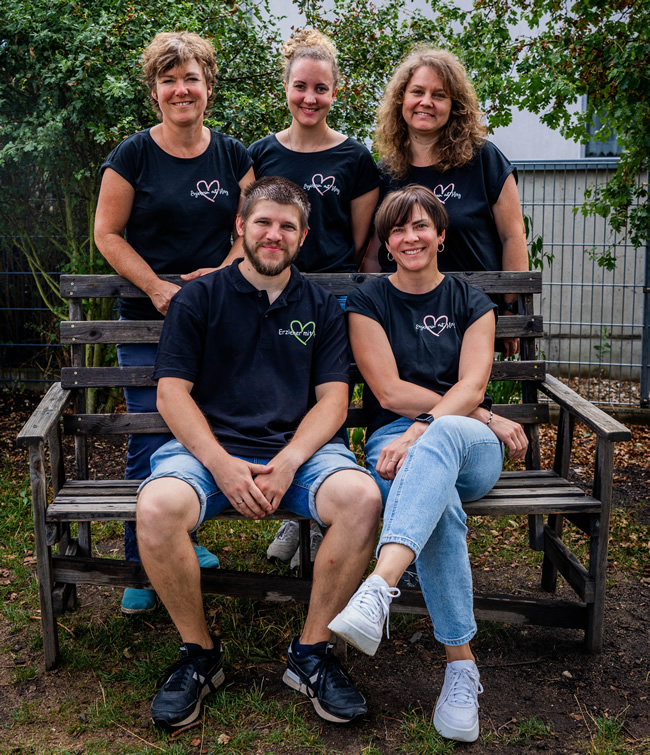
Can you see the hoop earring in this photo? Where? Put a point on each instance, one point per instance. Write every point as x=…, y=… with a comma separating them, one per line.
x=441, y=247
x=390, y=257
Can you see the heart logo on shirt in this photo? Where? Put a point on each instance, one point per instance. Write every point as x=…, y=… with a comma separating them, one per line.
x=317, y=179
x=443, y=192
x=299, y=330
x=205, y=189
x=435, y=325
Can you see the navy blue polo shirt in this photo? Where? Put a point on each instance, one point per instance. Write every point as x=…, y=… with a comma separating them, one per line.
x=254, y=365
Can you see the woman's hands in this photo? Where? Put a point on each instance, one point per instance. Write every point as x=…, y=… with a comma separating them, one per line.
x=392, y=456
x=161, y=293
x=511, y=434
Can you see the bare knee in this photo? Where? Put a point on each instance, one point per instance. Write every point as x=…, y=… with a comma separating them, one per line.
x=353, y=501
x=166, y=507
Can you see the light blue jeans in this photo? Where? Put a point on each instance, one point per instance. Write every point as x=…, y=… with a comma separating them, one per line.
x=457, y=459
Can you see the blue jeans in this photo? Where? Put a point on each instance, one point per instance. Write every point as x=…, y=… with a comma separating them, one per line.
x=141, y=446
x=457, y=459
x=174, y=460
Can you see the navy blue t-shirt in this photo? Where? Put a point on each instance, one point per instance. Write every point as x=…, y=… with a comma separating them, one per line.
x=332, y=179
x=254, y=366
x=184, y=209
x=468, y=194
x=425, y=332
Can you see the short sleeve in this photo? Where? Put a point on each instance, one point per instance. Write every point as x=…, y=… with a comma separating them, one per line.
x=332, y=361
x=367, y=177
x=240, y=157
x=124, y=160
x=496, y=169
x=182, y=338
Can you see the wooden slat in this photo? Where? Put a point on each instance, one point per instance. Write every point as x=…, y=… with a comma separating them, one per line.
x=96, y=377
x=103, y=286
x=276, y=588
x=111, y=331
x=102, y=507
x=148, y=331
x=152, y=422
x=114, y=424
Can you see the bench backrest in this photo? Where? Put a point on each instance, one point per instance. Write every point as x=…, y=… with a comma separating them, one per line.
x=80, y=334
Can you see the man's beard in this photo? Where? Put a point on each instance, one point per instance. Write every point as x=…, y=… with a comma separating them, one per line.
x=270, y=269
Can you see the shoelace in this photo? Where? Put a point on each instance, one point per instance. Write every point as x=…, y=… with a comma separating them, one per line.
x=285, y=532
x=464, y=688
x=328, y=665
x=375, y=602
x=176, y=676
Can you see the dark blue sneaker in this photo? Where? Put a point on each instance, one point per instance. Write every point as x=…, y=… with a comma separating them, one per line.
x=320, y=677
x=184, y=685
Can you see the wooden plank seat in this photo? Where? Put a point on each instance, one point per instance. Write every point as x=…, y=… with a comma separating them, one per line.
x=545, y=496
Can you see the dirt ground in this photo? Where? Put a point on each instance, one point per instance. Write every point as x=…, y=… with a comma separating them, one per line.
x=526, y=671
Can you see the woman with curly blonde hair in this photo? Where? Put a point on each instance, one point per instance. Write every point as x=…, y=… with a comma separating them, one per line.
x=430, y=132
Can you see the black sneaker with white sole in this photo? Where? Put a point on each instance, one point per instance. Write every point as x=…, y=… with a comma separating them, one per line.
x=184, y=685
x=320, y=676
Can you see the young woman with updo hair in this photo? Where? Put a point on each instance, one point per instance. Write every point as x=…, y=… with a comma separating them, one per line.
x=337, y=172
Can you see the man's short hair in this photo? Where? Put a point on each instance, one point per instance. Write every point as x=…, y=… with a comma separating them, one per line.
x=396, y=209
x=279, y=190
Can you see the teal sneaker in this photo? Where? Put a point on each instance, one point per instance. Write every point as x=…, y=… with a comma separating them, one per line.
x=207, y=560
x=137, y=601
x=144, y=601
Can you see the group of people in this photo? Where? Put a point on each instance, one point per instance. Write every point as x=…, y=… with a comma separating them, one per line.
x=252, y=364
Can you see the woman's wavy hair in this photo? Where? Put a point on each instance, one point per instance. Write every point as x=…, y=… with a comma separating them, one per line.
x=169, y=49
x=396, y=210
x=312, y=44
x=461, y=136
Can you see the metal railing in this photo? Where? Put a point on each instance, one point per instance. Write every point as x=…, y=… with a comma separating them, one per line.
x=596, y=320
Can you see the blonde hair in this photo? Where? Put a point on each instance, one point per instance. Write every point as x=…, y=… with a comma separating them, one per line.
x=169, y=49
x=313, y=45
x=463, y=133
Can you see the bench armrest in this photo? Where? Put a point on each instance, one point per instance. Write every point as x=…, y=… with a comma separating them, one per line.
x=596, y=419
x=45, y=416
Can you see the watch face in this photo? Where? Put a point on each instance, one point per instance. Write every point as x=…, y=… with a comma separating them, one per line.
x=428, y=418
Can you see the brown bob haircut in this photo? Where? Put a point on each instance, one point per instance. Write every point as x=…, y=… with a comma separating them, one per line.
x=398, y=206
x=172, y=48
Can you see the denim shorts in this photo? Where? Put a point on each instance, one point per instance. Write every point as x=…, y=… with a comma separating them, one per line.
x=174, y=460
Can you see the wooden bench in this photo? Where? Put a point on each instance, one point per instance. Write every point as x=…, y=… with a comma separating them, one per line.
x=545, y=496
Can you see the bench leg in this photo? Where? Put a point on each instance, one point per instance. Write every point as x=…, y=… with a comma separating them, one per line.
x=549, y=570
x=306, y=568
x=43, y=557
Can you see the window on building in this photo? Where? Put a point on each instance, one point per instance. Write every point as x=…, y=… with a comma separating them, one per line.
x=608, y=148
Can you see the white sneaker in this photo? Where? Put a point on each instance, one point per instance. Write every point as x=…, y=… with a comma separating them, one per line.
x=285, y=542
x=361, y=622
x=456, y=715
x=315, y=539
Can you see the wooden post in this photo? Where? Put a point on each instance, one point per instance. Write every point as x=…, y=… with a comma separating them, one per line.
x=43, y=555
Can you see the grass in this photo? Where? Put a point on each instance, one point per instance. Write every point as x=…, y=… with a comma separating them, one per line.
x=115, y=662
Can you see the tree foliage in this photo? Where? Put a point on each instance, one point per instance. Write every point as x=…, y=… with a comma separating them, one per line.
x=70, y=88
x=572, y=51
